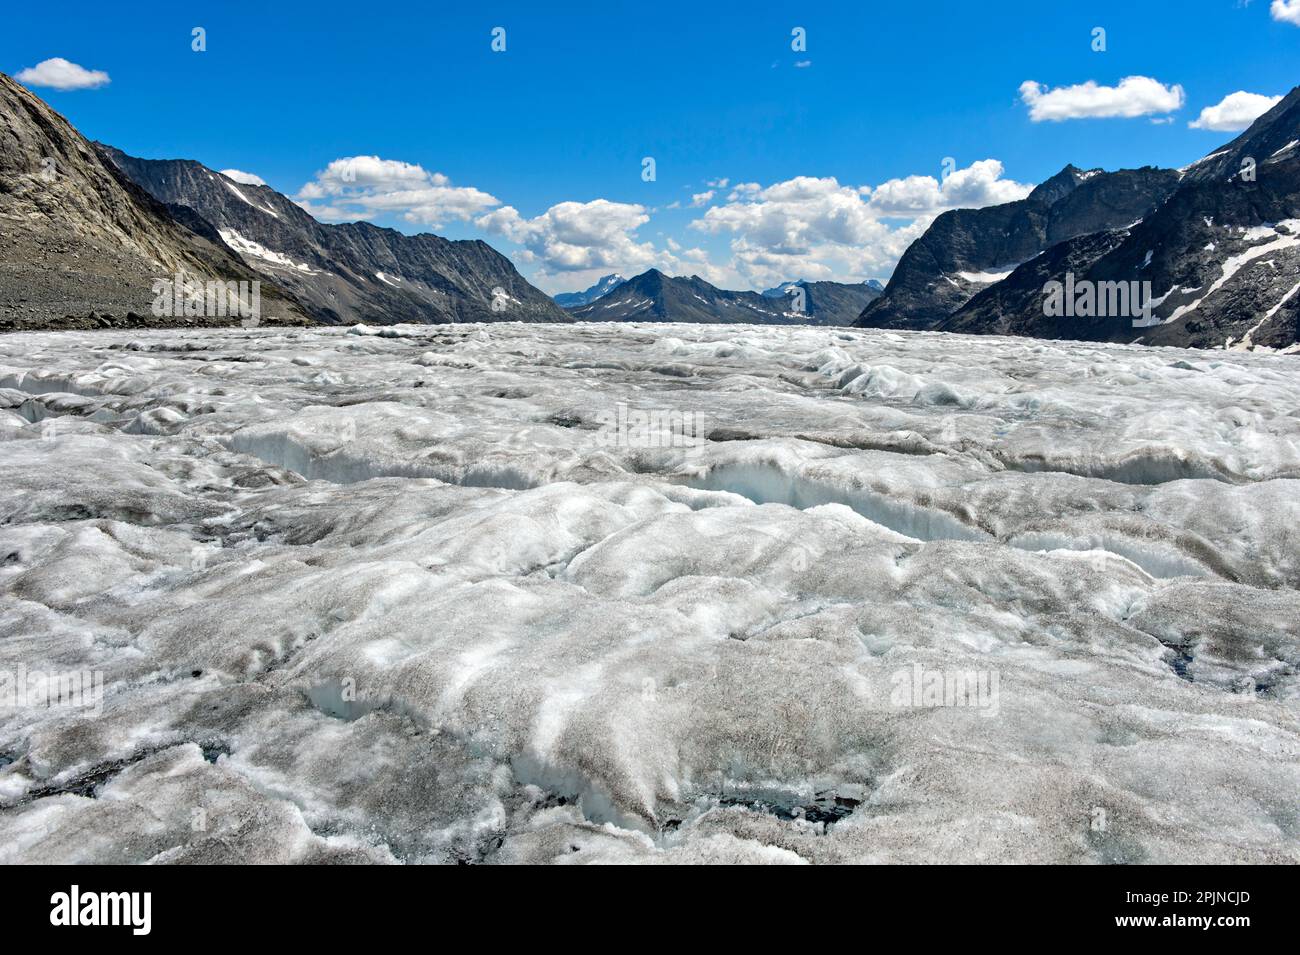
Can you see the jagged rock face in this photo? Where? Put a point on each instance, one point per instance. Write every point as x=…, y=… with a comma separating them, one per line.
x=1224, y=262
x=1014, y=306
x=77, y=236
x=1272, y=136
x=655, y=297
x=1222, y=256
x=966, y=250
x=355, y=272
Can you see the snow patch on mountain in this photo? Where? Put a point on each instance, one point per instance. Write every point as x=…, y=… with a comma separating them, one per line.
x=235, y=189
x=985, y=278
x=248, y=247
x=1235, y=263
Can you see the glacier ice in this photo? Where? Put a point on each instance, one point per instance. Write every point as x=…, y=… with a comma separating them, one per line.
x=400, y=594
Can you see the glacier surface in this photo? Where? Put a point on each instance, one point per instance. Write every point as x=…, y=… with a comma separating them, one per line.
x=646, y=593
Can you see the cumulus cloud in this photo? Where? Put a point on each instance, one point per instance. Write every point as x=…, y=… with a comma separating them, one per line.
x=805, y=227
x=60, y=74
x=1286, y=11
x=818, y=228
x=1134, y=96
x=575, y=243
x=980, y=184
x=247, y=178
x=569, y=242
x=790, y=217
x=574, y=236
x=363, y=187
x=1235, y=111
x=368, y=172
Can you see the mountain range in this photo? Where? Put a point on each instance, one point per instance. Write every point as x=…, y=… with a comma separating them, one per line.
x=965, y=250
x=603, y=286
x=784, y=288
x=1211, y=252
x=81, y=245
x=353, y=272
x=1214, y=249
x=653, y=296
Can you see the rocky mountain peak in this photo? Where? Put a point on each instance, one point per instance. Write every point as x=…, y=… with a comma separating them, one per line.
x=80, y=238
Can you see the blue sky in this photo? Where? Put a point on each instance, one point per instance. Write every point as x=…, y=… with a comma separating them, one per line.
x=539, y=149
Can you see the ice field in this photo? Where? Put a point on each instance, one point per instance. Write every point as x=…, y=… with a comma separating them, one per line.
x=646, y=593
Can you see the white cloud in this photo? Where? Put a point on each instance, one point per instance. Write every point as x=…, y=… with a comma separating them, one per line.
x=789, y=217
x=60, y=74
x=1237, y=110
x=329, y=213
x=576, y=243
x=1286, y=11
x=247, y=178
x=1134, y=96
x=801, y=228
x=363, y=187
x=815, y=228
x=368, y=172
x=980, y=184
x=575, y=236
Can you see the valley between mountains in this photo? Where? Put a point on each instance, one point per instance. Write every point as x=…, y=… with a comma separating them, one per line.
x=1217, y=244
